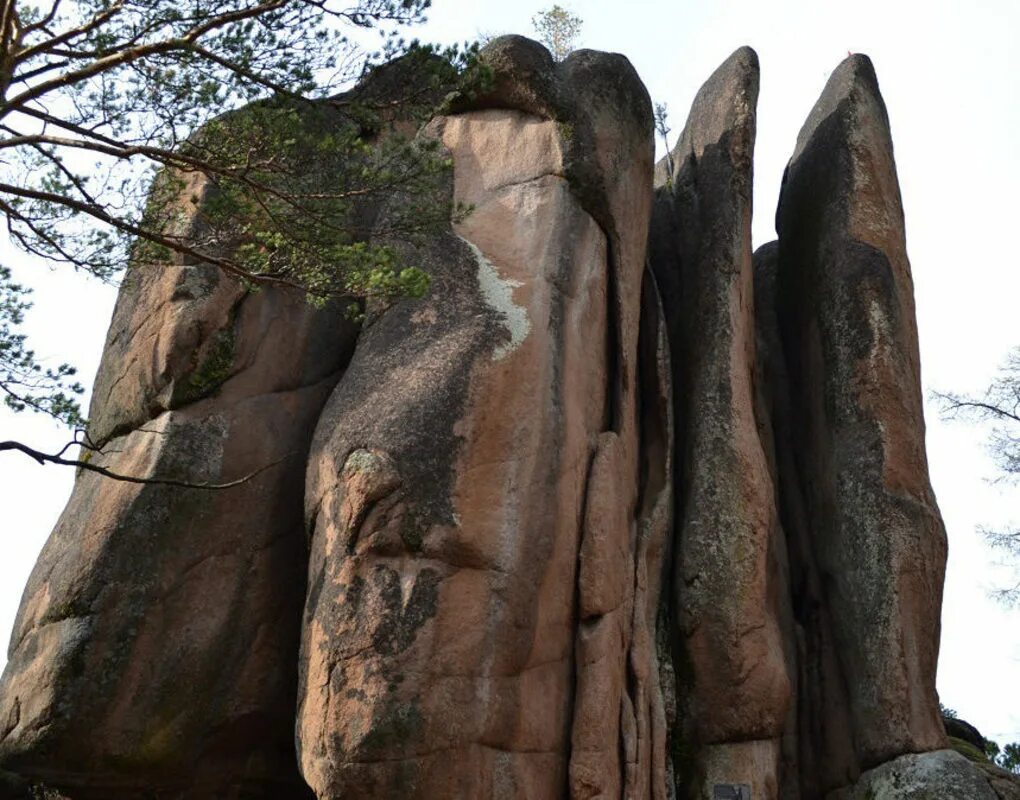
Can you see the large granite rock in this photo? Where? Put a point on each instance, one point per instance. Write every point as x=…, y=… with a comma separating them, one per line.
x=474, y=495
x=149, y=648
x=870, y=527
x=484, y=571
x=729, y=590
x=154, y=650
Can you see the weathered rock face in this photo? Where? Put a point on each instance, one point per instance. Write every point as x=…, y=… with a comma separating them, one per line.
x=809, y=549
x=485, y=569
x=814, y=740
x=567, y=527
x=844, y=300
x=728, y=588
x=151, y=648
x=938, y=775
x=147, y=650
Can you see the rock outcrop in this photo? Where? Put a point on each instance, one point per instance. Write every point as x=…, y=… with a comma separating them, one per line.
x=867, y=522
x=154, y=648
x=618, y=510
x=729, y=590
x=149, y=650
x=937, y=775
x=484, y=567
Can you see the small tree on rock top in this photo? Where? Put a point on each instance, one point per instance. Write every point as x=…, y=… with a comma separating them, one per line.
x=558, y=30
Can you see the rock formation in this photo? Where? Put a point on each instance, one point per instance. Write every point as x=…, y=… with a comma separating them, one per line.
x=150, y=644
x=866, y=524
x=620, y=509
x=480, y=544
x=729, y=591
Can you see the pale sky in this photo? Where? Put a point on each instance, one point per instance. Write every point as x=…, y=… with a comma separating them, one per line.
x=950, y=75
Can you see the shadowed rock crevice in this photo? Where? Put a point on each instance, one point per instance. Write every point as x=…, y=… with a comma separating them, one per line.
x=823, y=748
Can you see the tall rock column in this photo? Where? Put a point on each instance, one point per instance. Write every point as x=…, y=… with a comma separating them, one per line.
x=480, y=542
x=844, y=299
x=729, y=590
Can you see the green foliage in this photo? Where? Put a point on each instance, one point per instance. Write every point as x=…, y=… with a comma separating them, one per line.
x=24, y=382
x=1007, y=757
x=213, y=371
x=558, y=30
x=150, y=132
x=1010, y=757
x=297, y=213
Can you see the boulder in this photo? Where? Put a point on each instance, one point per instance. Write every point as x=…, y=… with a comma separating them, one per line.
x=937, y=775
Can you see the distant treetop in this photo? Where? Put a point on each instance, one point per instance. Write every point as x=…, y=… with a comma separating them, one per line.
x=558, y=30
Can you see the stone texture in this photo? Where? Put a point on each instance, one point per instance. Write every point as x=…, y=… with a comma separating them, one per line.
x=148, y=643
x=844, y=301
x=818, y=751
x=1005, y=784
x=154, y=650
x=447, y=623
x=728, y=591
x=938, y=775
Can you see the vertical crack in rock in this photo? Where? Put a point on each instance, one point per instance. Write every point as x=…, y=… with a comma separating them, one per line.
x=649, y=773
x=815, y=742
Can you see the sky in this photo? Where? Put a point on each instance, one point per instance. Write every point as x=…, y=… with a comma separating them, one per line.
x=950, y=75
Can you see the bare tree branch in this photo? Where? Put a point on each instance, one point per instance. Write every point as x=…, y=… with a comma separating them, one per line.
x=999, y=405
x=175, y=244
x=47, y=458
x=953, y=403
